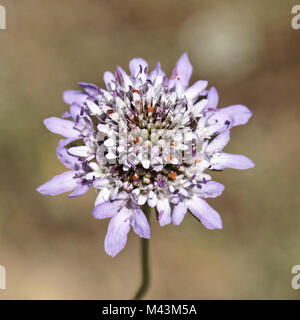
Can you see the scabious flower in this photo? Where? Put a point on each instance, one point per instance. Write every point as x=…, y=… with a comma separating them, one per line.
x=145, y=139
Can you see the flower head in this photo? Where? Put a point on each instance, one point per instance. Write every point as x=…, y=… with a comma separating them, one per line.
x=145, y=139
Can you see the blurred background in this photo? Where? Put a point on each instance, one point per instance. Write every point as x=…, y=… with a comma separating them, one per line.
x=52, y=247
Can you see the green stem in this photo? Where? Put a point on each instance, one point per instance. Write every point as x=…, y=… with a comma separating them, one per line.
x=145, y=264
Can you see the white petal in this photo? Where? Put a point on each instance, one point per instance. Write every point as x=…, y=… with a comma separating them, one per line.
x=94, y=108
x=142, y=199
x=199, y=107
x=146, y=164
x=110, y=142
x=152, y=199
x=82, y=151
x=195, y=90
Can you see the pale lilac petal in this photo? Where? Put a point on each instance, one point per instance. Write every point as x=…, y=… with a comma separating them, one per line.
x=178, y=213
x=219, y=142
x=74, y=96
x=140, y=223
x=205, y=213
x=67, y=114
x=183, y=70
x=211, y=189
x=156, y=72
x=240, y=114
x=125, y=78
x=75, y=111
x=195, y=90
x=107, y=209
x=109, y=80
x=117, y=231
x=59, y=184
x=62, y=127
x=103, y=196
x=63, y=155
x=223, y=160
x=164, y=212
x=213, y=98
x=137, y=65
x=218, y=123
x=90, y=88
x=79, y=191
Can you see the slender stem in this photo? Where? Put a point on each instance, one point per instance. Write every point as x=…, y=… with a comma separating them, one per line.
x=145, y=264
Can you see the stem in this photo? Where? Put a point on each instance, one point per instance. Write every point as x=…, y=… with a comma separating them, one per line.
x=145, y=264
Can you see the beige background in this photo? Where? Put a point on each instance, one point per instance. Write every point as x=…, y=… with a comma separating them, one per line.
x=52, y=248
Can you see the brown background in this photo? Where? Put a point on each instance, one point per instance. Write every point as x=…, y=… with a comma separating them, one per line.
x=52, y=248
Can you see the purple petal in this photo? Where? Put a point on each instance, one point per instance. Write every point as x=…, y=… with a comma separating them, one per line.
x=223, y=160
x=164, y=212
x=74, y=96
x=67, y=114
x=178, y=213
x=107, y=209
x=117, y=231
x=75, y=110
x=240, y=114
x=205, y=213
x=213, y=98
x=63, y=155
x=62, y=127
x=137, y=65
x=219, y=142
x=183, y=70
x=80, y=190
x=140, y=223
x=211, y=189
x=109, y=80
x=59, y=184
x=90, y=88
x=195, y=90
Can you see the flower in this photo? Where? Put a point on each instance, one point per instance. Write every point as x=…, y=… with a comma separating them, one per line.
x=145, y=139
